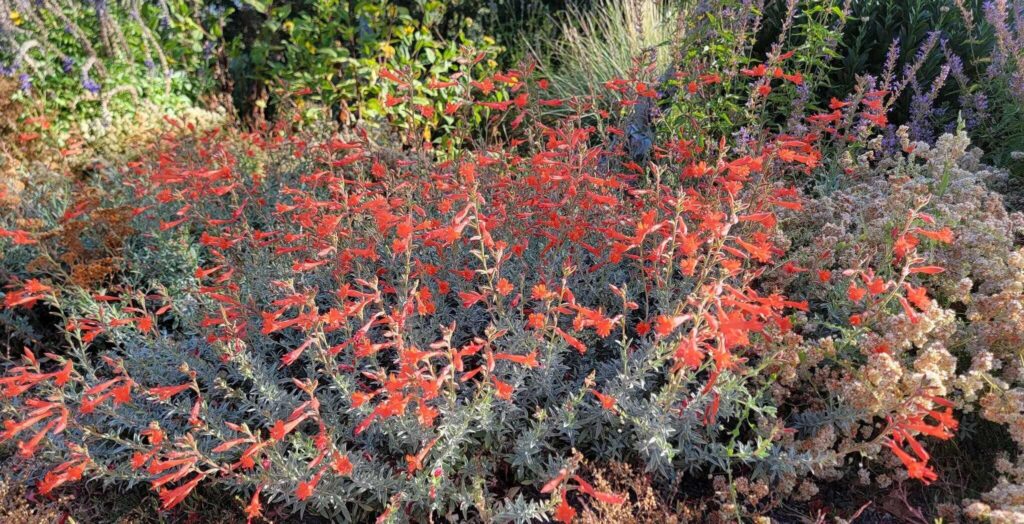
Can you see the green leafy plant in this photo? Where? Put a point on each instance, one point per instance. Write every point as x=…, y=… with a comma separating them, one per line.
x=90, y=67
x=334, y=61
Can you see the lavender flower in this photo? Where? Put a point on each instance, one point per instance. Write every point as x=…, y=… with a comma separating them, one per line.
x=923, y=112
x=890, y=142
x=803, y=96
x=1008, y=54
x=25, y=82
x=889, y=72
x=927, y=46
x=90, y=85
x=974, y=109
x=743, y=135
x=1017, y=84
x=956, y=65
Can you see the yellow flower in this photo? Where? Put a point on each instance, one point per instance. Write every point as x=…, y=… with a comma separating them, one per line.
x=289, y=26
x=409, y=29
x=488, y=40
x=16, y=18
x=311, y=48
x=387, y=50
x=492, y=64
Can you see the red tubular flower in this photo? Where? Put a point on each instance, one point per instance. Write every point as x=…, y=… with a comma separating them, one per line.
x=944, y=235
x=503, y=390
x=607, y=401
x=854, y=293
x=32, y=292
x=341, y=464
x=281, y=428
x=606, y=498
x=172, y=497
x=909, y=311
x=254, y=509
x=564, y=513
x=69, y=471
x=166, y=392
x=306, y=488
x=916, y=469
x=571, y=340
x=927, y=270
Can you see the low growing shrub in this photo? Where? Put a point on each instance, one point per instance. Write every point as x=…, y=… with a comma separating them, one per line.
x=966, y=341
x=322, y=325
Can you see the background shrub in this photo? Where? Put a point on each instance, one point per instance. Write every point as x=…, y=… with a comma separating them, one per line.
x=90, y=66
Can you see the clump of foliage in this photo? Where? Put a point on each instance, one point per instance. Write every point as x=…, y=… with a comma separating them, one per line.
x=951, y=61
x=964, y=340
x=92, y=66
x=91, y=69
x=339, y=62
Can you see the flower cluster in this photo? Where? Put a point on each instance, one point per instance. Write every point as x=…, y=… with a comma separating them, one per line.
x=971, y=310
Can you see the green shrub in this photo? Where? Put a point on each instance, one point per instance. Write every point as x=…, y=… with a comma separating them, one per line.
x=947, y=60
x=335, y=62
x=93, y=67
